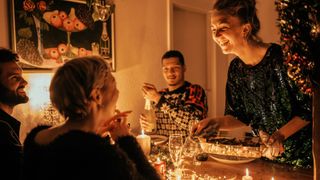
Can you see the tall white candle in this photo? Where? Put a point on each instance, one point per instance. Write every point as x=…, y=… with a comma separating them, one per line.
x=145, y=142
x=247, y=177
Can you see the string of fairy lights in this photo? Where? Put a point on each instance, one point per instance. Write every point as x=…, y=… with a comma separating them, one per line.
x=300, y=36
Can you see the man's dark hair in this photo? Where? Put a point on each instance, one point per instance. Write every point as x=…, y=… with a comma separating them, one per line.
x=6, y=55
x=174, y=53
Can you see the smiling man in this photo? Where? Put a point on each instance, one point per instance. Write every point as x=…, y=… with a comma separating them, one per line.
x=179, y=103
x=12, y=93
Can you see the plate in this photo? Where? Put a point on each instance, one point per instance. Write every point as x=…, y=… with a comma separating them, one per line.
x=231, y=159
x=158, y=139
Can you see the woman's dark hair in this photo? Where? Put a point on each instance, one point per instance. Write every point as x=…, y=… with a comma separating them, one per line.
x=245, y=10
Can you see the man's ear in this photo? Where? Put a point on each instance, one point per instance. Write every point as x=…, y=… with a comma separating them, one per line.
x=184, y=68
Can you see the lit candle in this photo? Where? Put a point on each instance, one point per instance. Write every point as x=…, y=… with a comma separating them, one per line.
x=247, y=177
x=145, y=142
x=272, y=178
x=160, y=166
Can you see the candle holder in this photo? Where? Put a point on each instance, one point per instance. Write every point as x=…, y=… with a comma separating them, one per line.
x=247, y=176
x=160, y=166
x=145, y=142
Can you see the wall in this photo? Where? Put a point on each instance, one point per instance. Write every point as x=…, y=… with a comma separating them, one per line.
x=140, y=41
x=142, y=33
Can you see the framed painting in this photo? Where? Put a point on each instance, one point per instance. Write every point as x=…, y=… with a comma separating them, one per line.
x=48, y=33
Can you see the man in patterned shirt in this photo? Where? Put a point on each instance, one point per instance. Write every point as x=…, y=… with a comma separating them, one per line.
x=179, y=103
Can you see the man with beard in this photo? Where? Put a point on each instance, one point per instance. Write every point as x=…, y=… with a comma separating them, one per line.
x=177, y=105
x=12, y=93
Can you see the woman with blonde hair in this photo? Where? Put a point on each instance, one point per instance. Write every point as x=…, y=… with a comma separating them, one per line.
x=84, y=92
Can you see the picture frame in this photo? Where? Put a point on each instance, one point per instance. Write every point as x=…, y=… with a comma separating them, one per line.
x=47, y=33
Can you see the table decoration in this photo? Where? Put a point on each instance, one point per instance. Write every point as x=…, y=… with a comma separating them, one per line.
x=160, y=166
x=145, y=142
x=247, y=176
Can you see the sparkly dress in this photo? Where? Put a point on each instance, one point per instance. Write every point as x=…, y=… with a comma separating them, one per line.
x=264, y=97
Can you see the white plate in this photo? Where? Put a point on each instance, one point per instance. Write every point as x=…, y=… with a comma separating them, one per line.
x=158, y=139
x=231, y=159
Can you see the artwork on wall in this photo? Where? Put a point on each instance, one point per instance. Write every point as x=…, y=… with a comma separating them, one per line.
x=48, y=33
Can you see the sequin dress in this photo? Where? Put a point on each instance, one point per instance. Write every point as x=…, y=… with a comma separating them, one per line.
x=264, y=97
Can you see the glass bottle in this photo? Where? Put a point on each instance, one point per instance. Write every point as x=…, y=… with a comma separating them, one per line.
x=149, y=112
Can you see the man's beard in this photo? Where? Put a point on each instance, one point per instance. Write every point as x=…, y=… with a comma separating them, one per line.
x=10, y=97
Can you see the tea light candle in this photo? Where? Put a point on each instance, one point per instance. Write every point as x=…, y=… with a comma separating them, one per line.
x=160, y=166
x=247, y=177
x=145, y=142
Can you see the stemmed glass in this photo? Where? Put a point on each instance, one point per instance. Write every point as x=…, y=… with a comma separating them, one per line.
x=175, y=146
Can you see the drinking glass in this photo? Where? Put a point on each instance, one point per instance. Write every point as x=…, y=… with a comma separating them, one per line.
x=191, y=149
x=175, y=146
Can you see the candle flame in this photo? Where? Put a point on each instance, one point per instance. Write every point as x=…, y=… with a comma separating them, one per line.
x=272, y=178
x=158, y=159
x=142, y=132
x=247, y=172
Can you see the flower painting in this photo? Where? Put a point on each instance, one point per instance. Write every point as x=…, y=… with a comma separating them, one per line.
x=48, y=33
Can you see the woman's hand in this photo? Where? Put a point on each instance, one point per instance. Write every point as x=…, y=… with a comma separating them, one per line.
x=117, y=126
x=273, y=144
x=205, y=127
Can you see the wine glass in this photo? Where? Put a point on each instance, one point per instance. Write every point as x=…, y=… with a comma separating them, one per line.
x=175, y=146
x=191, y=149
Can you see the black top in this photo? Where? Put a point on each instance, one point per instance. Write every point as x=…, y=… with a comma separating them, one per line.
x=264, y=97
x=80, y=155
x=10, y=147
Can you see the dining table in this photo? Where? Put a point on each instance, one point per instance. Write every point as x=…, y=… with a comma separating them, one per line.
x=216, y=168
x=259, y=169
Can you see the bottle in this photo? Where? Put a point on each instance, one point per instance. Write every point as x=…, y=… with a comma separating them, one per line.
x=149, y=112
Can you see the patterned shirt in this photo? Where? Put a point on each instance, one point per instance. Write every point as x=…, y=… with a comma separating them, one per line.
x=264, y=97
x=176, y=108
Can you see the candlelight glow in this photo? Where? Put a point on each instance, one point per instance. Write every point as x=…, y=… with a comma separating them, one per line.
x=247, y=172
x=142, y=132
x=272, y=178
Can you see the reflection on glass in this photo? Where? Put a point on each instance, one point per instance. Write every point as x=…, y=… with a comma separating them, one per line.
x=175, y=146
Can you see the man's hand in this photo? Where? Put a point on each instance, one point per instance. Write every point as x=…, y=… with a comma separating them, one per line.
x=149, y=91
x=145, y=124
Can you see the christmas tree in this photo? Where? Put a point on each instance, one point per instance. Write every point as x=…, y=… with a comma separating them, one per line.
x=300, y=40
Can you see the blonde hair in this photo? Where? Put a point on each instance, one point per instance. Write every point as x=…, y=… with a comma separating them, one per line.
x=73, y=83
